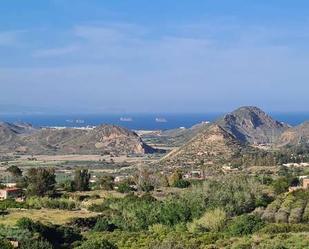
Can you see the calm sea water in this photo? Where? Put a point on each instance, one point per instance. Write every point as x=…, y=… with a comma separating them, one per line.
x=136, y=121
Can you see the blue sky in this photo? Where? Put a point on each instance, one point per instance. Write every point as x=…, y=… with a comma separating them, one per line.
x=154, y=56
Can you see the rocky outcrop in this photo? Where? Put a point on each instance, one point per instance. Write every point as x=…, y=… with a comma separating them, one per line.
x=213, y=145
x=295, y=136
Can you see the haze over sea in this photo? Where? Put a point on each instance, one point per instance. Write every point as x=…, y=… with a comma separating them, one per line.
x=158, y=121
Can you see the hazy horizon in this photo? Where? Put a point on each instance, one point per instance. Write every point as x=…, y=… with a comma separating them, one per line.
x=153, y=57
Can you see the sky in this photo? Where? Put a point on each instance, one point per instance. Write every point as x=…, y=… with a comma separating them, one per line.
x=177, y=56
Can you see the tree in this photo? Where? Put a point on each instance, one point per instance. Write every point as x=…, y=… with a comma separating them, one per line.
x=280, y=185
x=15, y=171
x=245, y=224
x=145, y=180
x=68, y=185
x=4, y=244
x=82, y=180
x=41, y=182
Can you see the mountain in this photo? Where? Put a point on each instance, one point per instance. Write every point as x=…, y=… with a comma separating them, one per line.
x=9, y=132
x=213, y=145
x=252, y=125
x=230, y=139
x=105, y=139
x=295, y=136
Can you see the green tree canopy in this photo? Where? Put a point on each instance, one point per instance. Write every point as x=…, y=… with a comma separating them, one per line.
x=41, y=182
x=82, y=180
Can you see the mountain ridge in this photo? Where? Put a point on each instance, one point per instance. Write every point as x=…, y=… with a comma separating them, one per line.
x=104, y=139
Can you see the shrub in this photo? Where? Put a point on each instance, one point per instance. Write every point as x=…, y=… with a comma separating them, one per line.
x=103, y=224
x=124, y=187
x=245, y=224
x=46, y=202
x=146, y=187
x=159, y=229
x=58, y=236
x=280, y=185
x=284, y=228
x=106, y=183
x=97, y=244
x=14, y=233
x=35, y=244
x=4, y=244
x=213, y=220
x=235, y=194
x=10, y=203
x=181, y=184
x=83, y=224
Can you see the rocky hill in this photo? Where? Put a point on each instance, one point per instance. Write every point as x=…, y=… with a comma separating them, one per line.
x=252, y=125
x=213, y=145
x=105, y=139
x=295, y=136
x=230, y=140
x=9, y=132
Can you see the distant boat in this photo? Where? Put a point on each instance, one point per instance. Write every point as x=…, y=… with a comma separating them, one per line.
x=161, y=120
x=126, y=119
x=79, y=121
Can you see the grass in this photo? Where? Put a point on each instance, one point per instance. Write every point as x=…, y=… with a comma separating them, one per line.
x=53, y=216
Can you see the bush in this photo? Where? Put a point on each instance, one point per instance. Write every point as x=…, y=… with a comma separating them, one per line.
x=284, y=228
x=35, y=244
x=213, y=220
x=97, y=244
x=14, y=233
x=58, y=236
x=68, y=186
x=280, y=185
x=103, y=224
x=245, y=224
x=235, y=194
x=181, y=184
x=4, y=244
x=46, y=202
x=146, y=187
x=83, y=224
x=10, y=203
x=124, y=187
x=106, y=183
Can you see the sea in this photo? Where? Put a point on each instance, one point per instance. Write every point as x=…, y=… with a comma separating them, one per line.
x=155, y=121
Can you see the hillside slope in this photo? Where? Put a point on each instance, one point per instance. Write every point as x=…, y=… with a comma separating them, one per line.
x=174, y=137
x=295, y=136
x=105, y=139
x=213, y=145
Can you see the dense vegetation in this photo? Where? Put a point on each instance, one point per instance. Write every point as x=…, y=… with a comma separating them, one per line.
x=225, y=212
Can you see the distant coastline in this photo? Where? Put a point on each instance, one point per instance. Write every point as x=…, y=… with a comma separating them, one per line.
x=137, y=121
